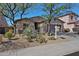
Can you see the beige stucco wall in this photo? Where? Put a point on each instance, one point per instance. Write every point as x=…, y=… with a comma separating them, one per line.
x=66, y=19
x=71, y=26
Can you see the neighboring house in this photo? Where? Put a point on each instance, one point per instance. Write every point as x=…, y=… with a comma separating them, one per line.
x=69, y=19
x=3, y=25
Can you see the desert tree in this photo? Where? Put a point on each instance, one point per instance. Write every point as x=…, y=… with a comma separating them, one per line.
x=11, y=10
x=53, y=10
x=24, y=8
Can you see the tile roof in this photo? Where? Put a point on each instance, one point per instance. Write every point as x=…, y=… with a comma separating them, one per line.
x=37, y=19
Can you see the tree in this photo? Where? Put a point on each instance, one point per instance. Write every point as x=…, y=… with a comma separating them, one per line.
x=51, y=11
x=23, y=8
x=11, y=10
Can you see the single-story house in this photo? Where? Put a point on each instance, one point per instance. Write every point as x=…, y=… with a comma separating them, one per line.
x=3, y=25
x=38, y=24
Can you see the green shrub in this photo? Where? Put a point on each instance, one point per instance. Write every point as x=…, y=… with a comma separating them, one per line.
x=67, y=30
x=8, y=35
x=29, y=34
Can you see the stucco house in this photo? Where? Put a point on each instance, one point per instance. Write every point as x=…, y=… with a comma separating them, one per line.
x=38, y=24
x=3, y=25
x=70, y=20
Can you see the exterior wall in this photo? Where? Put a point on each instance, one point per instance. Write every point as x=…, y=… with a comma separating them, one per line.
x=42, y=27
x=65, y=18
x=76, y=26
x=68, y=19
x=71, y=26
x=20, y=27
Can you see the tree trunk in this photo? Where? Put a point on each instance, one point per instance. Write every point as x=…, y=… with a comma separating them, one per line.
x=21, y=16
x=48, y=28
x=14, y=30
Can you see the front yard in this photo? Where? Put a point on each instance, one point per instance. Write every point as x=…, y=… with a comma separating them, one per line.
x=19, y=42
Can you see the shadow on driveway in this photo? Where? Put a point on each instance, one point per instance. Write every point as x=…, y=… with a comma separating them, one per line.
x=73, y=54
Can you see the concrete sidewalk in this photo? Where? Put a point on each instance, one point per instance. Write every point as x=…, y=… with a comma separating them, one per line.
x=58, y=49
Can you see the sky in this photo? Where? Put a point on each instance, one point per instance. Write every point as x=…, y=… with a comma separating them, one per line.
x=37, y=11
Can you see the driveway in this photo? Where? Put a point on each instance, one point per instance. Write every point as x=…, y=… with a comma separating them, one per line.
x=57, y=49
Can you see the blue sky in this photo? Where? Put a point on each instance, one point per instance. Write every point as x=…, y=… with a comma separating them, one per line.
x=37, y=11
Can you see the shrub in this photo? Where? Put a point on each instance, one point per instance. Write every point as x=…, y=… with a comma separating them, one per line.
x=29, y=34
x=29, y=39
x=8, y=35
x=41, y=39
x=67, y=30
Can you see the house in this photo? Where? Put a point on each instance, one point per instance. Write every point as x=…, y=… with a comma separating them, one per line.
x=3, y=25
x=22, y=23
x=38, y=24
x=69, y=20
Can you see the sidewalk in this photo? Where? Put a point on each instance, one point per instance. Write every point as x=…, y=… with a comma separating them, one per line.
x=46, y=50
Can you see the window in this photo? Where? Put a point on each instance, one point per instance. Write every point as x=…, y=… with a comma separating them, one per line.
x=25, y=25
x=71, y=17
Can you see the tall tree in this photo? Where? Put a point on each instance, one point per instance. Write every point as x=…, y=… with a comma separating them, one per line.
x=51, y=11
x=11, y=10
x=24, y=8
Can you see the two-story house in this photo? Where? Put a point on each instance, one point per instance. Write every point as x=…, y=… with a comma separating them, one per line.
x=69, y=20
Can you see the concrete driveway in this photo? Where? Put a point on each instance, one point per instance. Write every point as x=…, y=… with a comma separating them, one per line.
x=57, y=49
